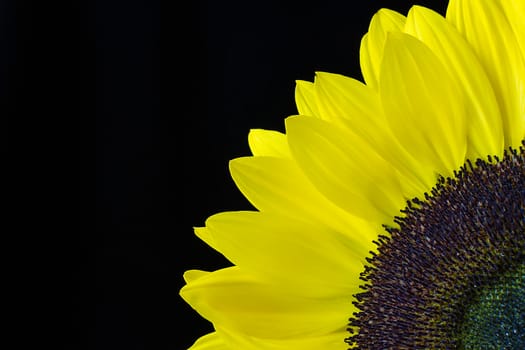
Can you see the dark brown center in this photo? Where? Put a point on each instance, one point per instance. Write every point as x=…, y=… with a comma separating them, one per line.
x=430, y=272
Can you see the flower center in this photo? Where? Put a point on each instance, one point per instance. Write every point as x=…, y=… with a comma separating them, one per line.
x=451, y=275
x=495, y=319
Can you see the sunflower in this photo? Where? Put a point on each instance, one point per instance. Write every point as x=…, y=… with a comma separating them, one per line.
x=390, y=214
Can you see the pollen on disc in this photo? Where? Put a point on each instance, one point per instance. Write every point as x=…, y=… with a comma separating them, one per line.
x=421, y=288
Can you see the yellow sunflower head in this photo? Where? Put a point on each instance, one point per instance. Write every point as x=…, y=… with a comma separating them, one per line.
x=390, y=215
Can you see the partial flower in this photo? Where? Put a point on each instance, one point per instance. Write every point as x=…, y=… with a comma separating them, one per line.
x=391, y=212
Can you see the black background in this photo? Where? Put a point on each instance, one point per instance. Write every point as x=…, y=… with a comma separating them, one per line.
x=175, y=90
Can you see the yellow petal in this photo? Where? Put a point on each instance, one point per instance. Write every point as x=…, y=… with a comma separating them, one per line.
x=211, y=341
x=306, y=258
x=515, y=11
x=422, y=106
x=233, y=299
x=268, y=143
x=346, y=101
x=372, y=44
x=488, y=31
x=193, y=275
x=333, y=340
x=278, y=185
x=305, y=98
x=353, y=105
x=345, y=169
x=365, y=61
x=484, y=127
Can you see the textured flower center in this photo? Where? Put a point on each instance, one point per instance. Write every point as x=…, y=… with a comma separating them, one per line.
x=495, y=319
x=450, y=276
